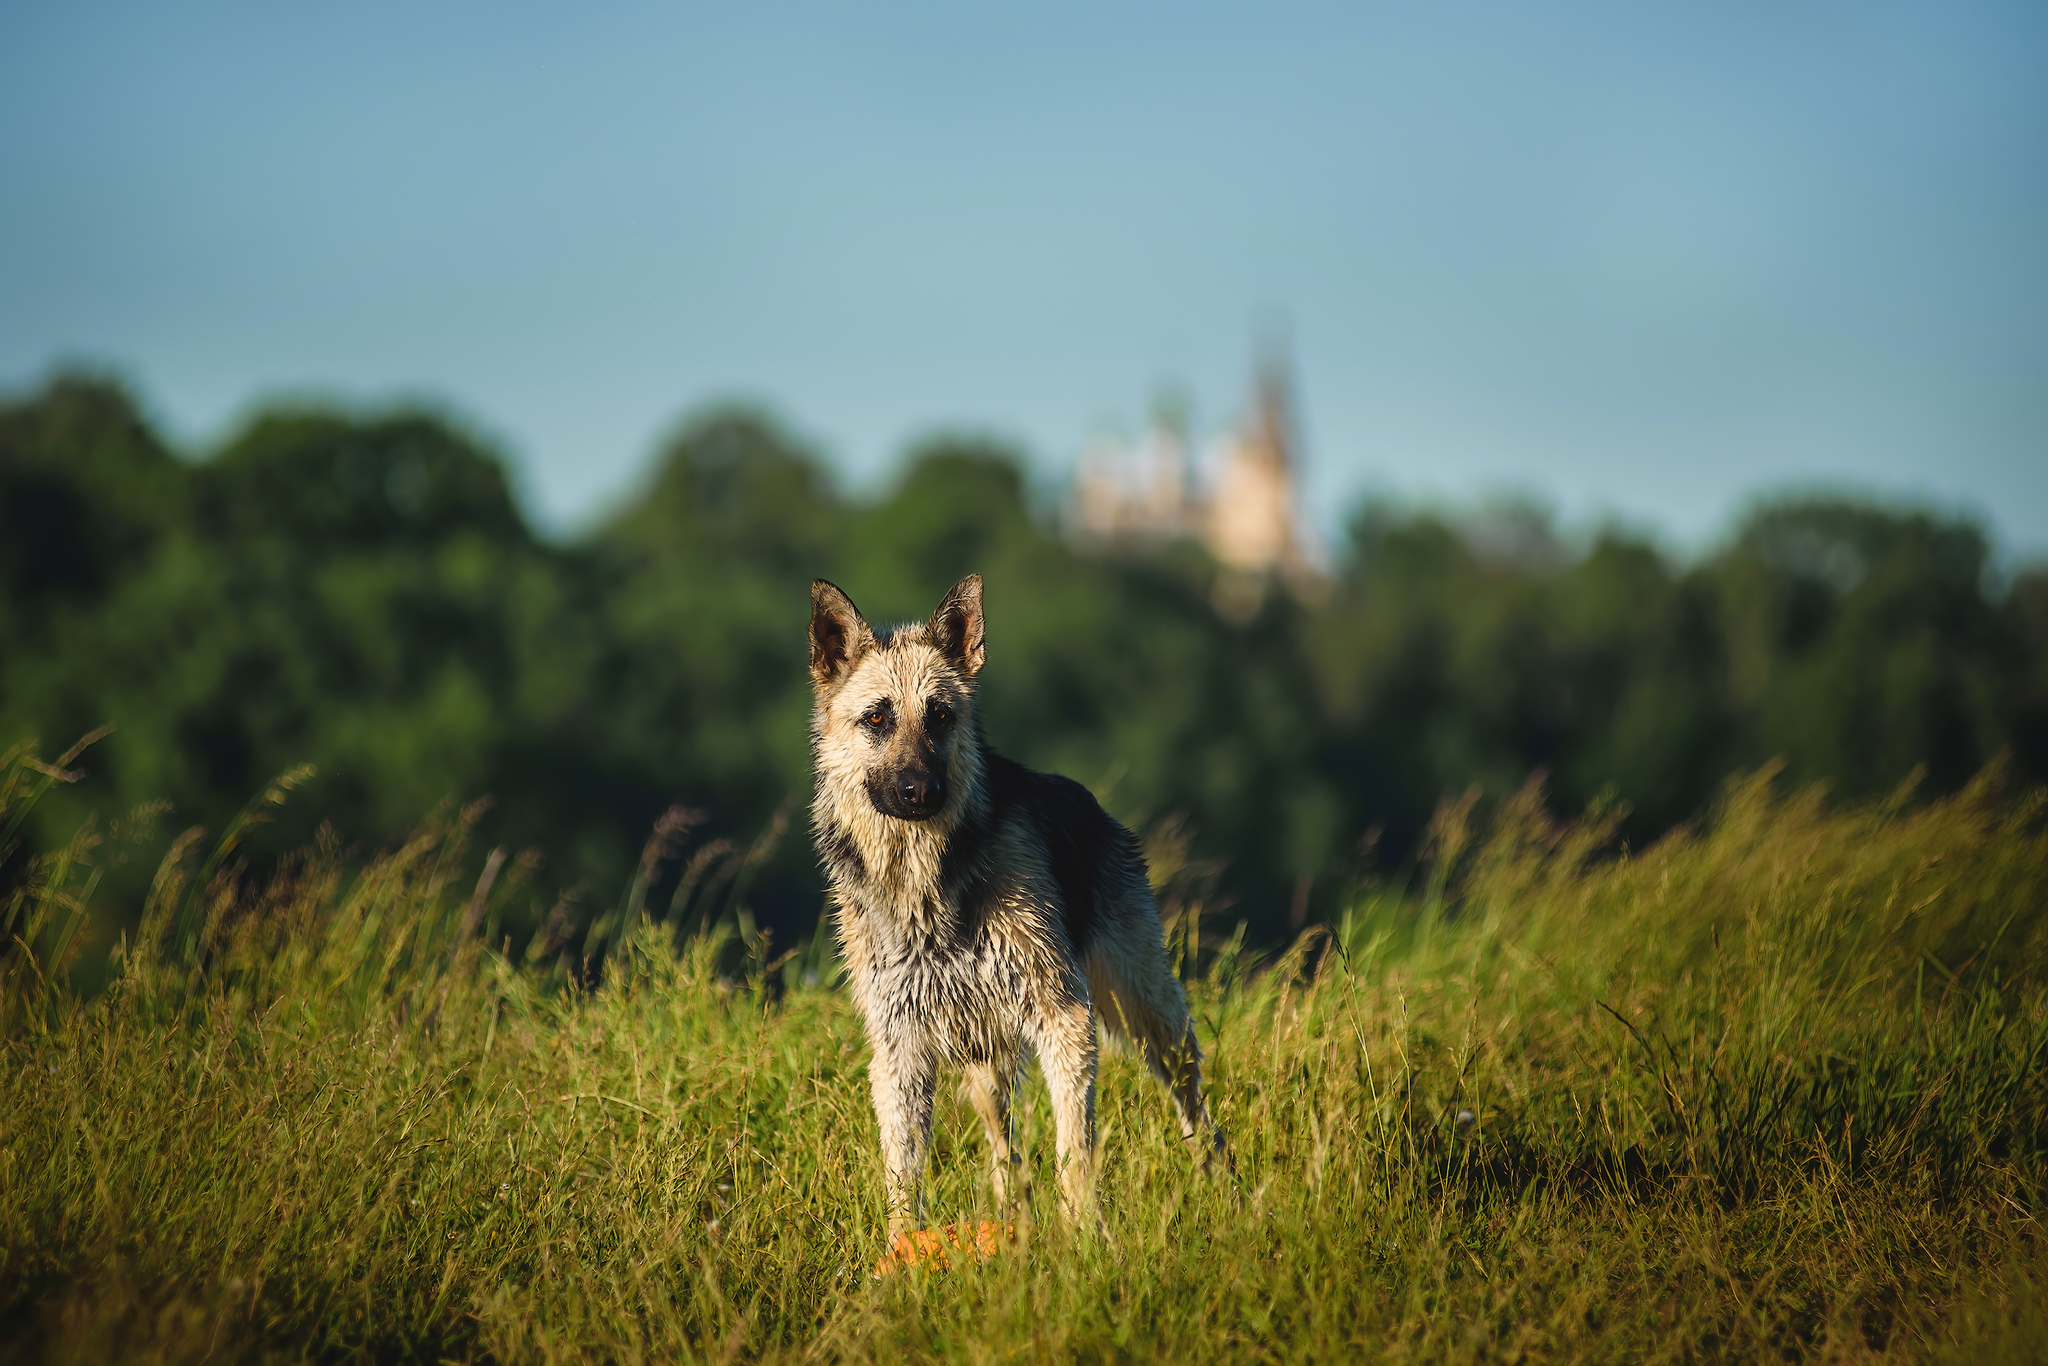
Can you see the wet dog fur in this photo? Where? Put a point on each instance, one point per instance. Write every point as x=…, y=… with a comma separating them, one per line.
x=982, y=908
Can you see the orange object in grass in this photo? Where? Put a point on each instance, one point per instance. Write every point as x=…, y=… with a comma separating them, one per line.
x=939, y=1247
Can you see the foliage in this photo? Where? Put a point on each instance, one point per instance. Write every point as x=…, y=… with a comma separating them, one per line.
x=1772, y=1087
x=362, y=594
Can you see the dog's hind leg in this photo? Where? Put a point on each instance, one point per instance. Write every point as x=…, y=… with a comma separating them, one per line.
x=1177, y=1062
x=987, y=1088
x=903, y=1080
x=1142, y=1003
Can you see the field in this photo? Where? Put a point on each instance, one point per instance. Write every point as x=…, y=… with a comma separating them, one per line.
x=1773, y=1088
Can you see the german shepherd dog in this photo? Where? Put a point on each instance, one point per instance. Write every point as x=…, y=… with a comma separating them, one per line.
x=982, y=907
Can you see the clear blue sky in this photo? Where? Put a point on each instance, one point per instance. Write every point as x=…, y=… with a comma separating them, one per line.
x=1642, y=260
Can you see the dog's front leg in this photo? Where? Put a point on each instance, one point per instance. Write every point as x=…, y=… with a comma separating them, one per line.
x=1066, y=1050
x=902, y=1079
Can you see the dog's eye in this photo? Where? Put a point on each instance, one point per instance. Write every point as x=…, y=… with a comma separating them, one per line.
x=873, y=718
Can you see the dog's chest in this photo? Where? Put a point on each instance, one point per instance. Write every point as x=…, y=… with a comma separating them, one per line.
x=963, y=993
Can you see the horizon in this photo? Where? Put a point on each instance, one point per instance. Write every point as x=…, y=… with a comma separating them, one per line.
x=1046, y=483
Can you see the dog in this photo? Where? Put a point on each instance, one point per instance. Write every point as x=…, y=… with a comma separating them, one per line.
x=981, y=907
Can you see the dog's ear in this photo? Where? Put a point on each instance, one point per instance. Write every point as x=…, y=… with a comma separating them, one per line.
x=839, y=634
x=956, y=627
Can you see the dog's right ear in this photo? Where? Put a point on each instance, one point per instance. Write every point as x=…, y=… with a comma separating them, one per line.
x=839, y=634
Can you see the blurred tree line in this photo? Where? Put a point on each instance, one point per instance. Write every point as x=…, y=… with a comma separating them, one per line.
x=364, y=594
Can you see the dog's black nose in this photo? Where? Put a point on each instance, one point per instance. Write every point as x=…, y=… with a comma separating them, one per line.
x=920, y=791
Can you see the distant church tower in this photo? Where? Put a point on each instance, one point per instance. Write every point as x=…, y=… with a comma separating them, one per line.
x=1248, y=517
x=1252, y=516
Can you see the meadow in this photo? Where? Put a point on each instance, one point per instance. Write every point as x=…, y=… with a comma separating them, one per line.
x=1771, y=1088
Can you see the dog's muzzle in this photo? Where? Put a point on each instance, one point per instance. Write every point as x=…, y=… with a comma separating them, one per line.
x=909, y=794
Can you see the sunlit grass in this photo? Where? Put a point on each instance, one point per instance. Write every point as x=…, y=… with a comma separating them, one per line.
x=1772, y=1089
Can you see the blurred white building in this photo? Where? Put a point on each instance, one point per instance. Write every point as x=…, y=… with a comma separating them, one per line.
x=1142, y=491
x=1248, y=516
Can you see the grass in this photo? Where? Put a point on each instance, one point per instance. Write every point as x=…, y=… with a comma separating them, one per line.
x=1772, y=1089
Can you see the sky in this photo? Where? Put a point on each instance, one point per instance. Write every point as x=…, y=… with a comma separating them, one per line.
x=1640, y=262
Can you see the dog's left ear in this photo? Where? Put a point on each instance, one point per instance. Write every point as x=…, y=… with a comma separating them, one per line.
x=956, y=627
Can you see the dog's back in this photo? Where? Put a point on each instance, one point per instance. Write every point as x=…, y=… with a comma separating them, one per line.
x=1093, y=861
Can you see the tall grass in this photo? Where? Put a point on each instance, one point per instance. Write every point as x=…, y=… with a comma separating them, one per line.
x=1774, y=1088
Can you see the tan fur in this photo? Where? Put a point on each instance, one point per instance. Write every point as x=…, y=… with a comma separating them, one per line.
x=961, y=884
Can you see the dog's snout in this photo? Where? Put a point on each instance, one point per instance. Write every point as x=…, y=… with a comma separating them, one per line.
x=914, y=792
x=921, y=790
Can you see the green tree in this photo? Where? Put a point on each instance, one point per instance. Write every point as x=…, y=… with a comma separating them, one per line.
x=364, y=593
